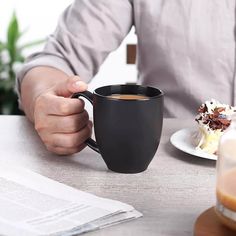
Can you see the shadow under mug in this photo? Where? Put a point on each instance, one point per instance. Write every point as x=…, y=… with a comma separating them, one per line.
x=127, y=132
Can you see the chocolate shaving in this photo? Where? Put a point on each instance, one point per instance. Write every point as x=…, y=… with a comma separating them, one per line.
x=215, y=120
x=219, y=109
x=202, y=108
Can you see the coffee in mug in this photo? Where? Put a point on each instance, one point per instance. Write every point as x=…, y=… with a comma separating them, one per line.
x=128, y=96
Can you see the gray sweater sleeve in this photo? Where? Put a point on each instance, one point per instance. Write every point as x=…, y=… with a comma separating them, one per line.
x=87, y=31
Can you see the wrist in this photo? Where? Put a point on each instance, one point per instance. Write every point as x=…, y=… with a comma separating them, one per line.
x=37, y=81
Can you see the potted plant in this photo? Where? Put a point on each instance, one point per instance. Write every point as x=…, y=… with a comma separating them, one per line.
x=11, y=59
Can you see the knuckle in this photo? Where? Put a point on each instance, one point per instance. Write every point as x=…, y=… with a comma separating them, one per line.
x=69, y=124
x=53, y=140
x=64, y=108
x=50, y=148
x=70, y=141
x=83, y=119
x=81, y=103
x=75, y=123
x=47, y=142
x=40, y=126
x=41, y=101
x=86, y=115
x=87, y=132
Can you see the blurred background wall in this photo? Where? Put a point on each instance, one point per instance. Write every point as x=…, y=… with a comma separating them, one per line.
x=39, y=18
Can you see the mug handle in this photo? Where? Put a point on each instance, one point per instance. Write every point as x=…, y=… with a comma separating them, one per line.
x=89, y=96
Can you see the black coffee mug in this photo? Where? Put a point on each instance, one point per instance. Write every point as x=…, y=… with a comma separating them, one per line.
x=127, y=131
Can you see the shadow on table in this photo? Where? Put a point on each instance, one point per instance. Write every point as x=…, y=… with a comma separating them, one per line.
x=84, y=160
x=185, y=157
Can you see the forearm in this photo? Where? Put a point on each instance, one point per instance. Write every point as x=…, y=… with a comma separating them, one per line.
x=35, y=82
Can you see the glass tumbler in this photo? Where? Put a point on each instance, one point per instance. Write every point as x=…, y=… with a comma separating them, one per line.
x=226, y=177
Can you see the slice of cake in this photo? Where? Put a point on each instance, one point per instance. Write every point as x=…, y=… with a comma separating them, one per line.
x=213, y=119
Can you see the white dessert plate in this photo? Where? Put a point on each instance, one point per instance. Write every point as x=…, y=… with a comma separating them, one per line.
x=182, y=140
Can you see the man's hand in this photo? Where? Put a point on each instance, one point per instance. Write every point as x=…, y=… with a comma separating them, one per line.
x=61, y=122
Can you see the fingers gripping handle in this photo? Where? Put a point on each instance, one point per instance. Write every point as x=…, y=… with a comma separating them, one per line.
x=89, y=96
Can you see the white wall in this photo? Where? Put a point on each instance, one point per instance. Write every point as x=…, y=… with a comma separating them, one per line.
x=40, y=18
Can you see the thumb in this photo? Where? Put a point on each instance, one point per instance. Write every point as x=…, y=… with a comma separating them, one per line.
x=70, y=86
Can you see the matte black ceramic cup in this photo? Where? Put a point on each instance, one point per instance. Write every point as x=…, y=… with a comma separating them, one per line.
x=127, y=131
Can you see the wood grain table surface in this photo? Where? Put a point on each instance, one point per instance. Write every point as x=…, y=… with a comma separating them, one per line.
x=171, y=193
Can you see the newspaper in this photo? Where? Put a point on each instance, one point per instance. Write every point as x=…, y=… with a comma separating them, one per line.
x=31, y=204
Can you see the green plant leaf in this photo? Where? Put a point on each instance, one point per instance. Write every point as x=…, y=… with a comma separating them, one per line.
x=2, y=46
x=8, y=97
x=7, y=85
x=12, y=36
x=19, y=57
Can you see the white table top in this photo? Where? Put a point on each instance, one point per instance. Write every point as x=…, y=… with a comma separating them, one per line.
x=171, y=194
